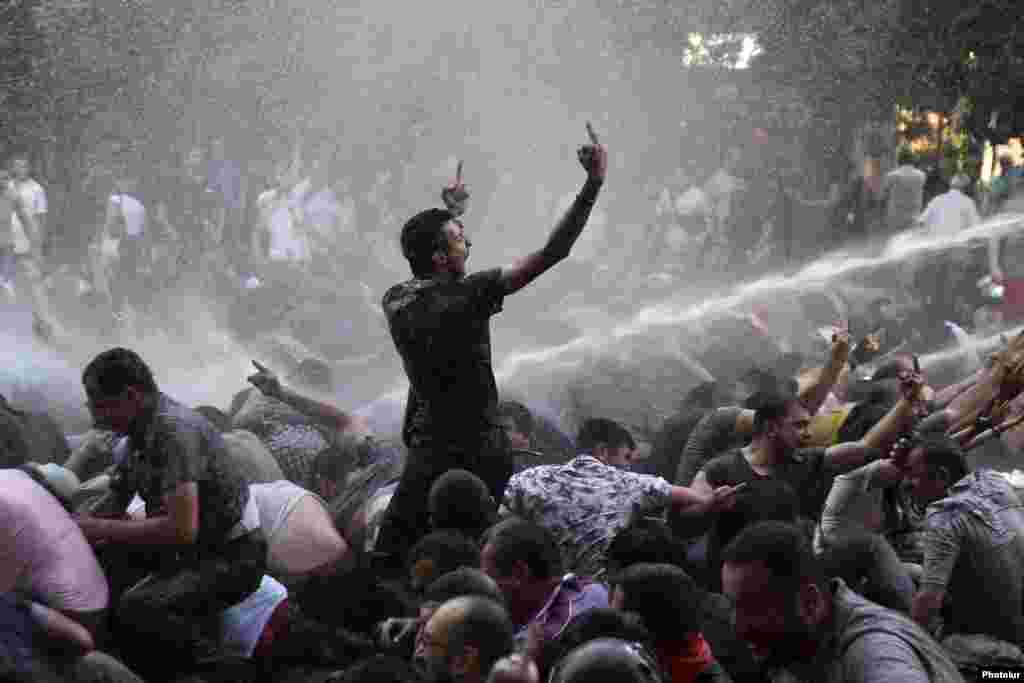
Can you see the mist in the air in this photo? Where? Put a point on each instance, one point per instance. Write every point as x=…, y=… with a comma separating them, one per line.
x=407, y=90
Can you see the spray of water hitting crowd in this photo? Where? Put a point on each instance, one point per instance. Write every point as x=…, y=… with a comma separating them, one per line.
x=507, y=87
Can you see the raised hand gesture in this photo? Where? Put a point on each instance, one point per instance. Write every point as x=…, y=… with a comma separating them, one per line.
x=593, y=157
x=265, y=380
x=841, y=340
x=456, y=196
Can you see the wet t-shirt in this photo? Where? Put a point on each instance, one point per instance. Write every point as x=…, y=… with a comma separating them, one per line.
x=178, y=446
x=441, y=329
x=805, y=471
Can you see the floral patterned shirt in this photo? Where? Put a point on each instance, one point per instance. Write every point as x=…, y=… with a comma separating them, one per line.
x=584, y=503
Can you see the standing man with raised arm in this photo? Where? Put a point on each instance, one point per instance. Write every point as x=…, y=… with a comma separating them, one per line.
x=440, y=324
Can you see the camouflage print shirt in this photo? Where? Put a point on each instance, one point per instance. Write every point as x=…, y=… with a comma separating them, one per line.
x=441, y=328
x=175, y=445
x=584, y=504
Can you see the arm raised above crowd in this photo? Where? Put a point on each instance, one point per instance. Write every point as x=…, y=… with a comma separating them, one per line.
x=816, y=391
x=846, y=456
x=324, y=413
x=593, y=158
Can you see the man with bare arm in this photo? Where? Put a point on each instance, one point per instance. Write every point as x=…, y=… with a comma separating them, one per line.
x=440, y=324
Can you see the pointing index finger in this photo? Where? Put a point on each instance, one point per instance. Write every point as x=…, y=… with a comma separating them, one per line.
x=592, y=134
x=258, y=366
x=458, y=173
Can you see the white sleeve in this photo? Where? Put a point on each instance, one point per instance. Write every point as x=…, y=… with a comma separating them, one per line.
x=39, y=199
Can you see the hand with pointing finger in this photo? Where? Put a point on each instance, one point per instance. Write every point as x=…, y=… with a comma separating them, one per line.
x=266, y=381
x=456, y=196
x=593, y=157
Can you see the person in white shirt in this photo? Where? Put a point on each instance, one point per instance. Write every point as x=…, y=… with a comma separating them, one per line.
x=9, y=202
x=126, y=228
x=285, y=242
x=28, y=238
x=951, y=212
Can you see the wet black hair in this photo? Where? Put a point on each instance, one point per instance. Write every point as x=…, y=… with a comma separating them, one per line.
x=601, y=430
x=516, y=540
x=667, y=599
x=520, y=414
x=446, y=551
x=941, y=452
x=645, y=541
x=422, y=235
x=461, y=501
x=114, y=370
x=760, y=501
x=783, y=548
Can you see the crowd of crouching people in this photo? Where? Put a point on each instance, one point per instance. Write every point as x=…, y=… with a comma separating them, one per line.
x=843, y=524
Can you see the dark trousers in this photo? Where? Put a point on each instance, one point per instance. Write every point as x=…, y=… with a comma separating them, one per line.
x=178, y=607
x=406, y=519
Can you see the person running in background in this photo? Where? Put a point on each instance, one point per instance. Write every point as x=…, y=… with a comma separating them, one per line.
x=126, y=223
x=33, y=197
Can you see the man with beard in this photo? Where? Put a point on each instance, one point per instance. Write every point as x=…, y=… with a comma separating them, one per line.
x=973, y=544
x=440, y=324
x=804, y=628
x=463, y=639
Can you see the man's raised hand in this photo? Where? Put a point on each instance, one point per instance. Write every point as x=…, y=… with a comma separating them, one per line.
x=265, y=380
x=456, y=196
x=593, y=157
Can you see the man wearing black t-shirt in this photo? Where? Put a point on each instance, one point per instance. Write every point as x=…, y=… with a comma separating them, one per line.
x=440, y=324
x=781, y=428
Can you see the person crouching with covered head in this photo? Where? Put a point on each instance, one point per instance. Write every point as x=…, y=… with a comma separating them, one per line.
x=201, y=533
